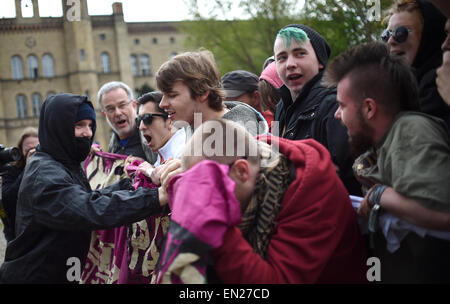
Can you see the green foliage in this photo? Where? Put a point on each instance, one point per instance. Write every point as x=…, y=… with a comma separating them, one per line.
x=245, y=44
x=145, y=88
x=345, y=23
x=240, y=44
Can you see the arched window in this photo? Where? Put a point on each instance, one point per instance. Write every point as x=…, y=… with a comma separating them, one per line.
x=17, y=67
x=36, y=103
x=21, y=104
x=145, y=65
x=47, y=66
x=105, y=63
x=134, y=65
x=32, y=66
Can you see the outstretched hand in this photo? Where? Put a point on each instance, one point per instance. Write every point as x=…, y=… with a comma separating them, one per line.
x=167, y=171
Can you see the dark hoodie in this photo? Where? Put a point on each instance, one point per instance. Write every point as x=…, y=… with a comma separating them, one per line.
x=56, y=208
x=428, y=59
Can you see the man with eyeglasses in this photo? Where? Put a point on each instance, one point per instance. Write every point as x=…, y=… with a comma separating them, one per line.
x=119, y=108
x=416, y=31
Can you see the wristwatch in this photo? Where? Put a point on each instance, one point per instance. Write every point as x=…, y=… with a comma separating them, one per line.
x=373, y=217
x=374, y=198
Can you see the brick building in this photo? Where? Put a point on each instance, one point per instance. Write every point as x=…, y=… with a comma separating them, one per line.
x=40, y=56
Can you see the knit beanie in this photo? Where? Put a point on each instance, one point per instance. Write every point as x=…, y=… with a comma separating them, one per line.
x=85, y=111
x=318, y=43
x=270, y=74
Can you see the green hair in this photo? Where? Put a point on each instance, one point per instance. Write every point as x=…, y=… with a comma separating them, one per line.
x=295, y=33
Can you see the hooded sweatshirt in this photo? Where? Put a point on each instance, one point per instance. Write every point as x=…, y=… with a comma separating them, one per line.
x=56, y=208
x=316, y=238
x=428, y=59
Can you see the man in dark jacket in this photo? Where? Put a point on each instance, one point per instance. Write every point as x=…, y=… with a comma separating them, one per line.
x=415, y=31
x=307, y=108
x=56, y=208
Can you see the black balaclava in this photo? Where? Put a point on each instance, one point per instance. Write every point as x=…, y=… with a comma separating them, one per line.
x=429, y=54
x=57, y=129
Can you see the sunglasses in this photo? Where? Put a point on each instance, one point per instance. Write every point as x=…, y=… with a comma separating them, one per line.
x=147, y=119
x=400, y=34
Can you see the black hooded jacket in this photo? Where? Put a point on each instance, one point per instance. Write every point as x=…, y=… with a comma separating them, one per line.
x=428, y=59
x=57, y=209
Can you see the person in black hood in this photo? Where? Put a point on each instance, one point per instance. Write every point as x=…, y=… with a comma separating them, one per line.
x=307, y=107
x=416, y=31
x=56, y=208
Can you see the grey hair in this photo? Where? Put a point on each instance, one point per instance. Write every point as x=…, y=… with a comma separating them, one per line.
x=110, y=86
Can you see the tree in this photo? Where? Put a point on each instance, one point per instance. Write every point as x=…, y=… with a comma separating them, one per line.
x=246, y=44
x=240, y=44
x=145, y=88
x=345, y=23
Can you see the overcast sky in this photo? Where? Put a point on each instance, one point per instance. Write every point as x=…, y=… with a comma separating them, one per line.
x=134, y=10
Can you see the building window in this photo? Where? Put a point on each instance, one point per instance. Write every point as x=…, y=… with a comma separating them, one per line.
x=36, y=103
x=136, y=41
x=155, y=40
x=32, y=66
x=17, y=67
x=173, y=54
x=82, y=55
x=21, y=104
x=27, y=9
x=105, y=63
x=47, y=66
x=102, y=36
x=145, y=65
x=172, y=40
x=134, y=65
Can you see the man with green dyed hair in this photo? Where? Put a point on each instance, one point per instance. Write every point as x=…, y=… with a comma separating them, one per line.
x=307, y=108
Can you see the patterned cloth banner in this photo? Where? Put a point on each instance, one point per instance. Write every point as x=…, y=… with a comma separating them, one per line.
x=127, y=254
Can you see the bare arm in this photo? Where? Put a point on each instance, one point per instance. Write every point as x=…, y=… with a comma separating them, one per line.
x=409, y=210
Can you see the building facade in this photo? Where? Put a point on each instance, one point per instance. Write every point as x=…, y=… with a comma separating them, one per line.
x=76, y=53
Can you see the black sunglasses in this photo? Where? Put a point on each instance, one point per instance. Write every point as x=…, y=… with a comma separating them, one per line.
x=400, y=34
x=148, y=118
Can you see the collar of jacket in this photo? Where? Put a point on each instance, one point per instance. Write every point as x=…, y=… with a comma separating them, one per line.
x=307, y=98
x=115, y=142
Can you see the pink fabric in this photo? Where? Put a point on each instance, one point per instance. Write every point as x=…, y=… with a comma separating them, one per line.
x=270, y=74
x=204, y=203
x=110, y=256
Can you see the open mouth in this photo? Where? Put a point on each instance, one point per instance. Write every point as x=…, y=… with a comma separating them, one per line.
x=121, y=123
x=170, y=113
x=398, y=53
x=294, y=77
x=148, y=138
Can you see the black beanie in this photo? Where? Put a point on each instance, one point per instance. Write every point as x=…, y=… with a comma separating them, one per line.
x=85, y=111
x=319, y=44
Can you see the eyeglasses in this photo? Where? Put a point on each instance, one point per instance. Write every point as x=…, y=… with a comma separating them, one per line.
x=121, y=106
x=147, y=119
x=400, y=34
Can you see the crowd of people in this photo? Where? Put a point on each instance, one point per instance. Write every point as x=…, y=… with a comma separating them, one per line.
x=297, y=175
